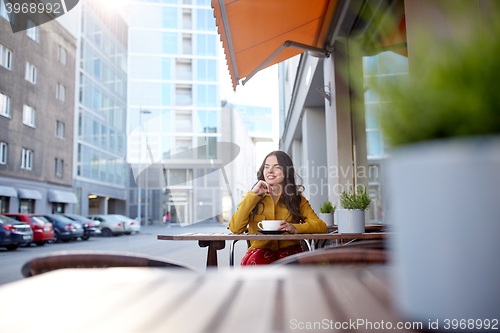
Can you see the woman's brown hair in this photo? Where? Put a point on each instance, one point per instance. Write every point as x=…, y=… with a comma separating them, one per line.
x=290, y=195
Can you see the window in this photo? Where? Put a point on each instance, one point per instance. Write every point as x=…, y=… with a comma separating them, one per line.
x=183, y=94
x=187, y=44
x=4, y=105
x=60, y=130
x=3, y=10
x=32, y=31
x=26, y=159
x=3, y=153
x=5, y=57
x=30, y=72
x=58, y=167
x=186, y=19
x=29, y=115
x=61, y=92
x=62, y=55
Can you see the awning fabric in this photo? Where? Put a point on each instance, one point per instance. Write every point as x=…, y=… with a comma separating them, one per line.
x=24, y=193
x=6, y=191
x=251, y=30
x=62, y=196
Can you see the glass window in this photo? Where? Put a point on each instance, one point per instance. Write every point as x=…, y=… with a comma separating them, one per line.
x=104, y=136
x=182, y=145
x=26, y=159
x=206, y=44
x=112, y=140
x=62, y=55
x=205, y=20
x=4, y=105
x=206, y=69
x=183, y=121
x=166, y=94
x=187, y=44
x=30, y=74
x=207, y=95
x=95, y=133
x=169, y=43
x=3, y=152
x=28, y=115
x=178, y=176
x=58, y=167
x=186, y=19
x=32, y=31
x=61, y=92
x=183, y=94
x=5, y=57
x=169, y=17
x=60, y=129
x=95, y=165
x=183, y=69
x=203, y=2
x=165, y=69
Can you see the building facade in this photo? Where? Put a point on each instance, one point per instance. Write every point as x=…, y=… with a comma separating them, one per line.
x=100, y=173
x=174, y=111
x=37, y=81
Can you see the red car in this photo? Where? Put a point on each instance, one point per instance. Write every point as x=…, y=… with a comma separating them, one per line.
x=42, y=229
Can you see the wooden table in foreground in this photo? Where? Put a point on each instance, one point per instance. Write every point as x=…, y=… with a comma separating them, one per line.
x=254, y=299
x=218, y=241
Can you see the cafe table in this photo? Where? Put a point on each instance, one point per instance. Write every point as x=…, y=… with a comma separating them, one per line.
x=217, y=241
x=251, y=299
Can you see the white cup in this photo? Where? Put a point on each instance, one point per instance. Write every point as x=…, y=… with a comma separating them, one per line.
x=269, y=225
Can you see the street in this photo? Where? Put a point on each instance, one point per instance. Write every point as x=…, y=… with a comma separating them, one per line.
x=187, y=253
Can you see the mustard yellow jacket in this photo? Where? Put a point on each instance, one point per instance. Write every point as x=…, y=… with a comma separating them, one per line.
x=243, y=218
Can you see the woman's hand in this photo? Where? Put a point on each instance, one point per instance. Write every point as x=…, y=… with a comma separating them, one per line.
x=262, y=187
x=284, y=225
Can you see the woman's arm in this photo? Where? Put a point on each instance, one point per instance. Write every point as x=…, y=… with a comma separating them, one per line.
x=240, y=218
x=312, y=223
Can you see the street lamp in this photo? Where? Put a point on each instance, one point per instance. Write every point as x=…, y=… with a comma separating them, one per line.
x=139, y=203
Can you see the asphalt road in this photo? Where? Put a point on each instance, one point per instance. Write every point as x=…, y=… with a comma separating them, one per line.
x=187, y=253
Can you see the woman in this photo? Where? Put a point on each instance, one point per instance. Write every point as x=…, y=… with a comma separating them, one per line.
x=275, y=196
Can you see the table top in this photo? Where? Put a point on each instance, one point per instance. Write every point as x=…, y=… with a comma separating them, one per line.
x=230, y=236
x=254, y=299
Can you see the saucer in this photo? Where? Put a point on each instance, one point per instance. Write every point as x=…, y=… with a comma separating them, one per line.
x=272, y=232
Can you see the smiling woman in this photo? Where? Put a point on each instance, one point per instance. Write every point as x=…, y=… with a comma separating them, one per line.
x=275, y=196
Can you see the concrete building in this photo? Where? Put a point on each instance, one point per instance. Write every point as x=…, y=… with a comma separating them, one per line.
x=241, y=172
x=37, y=85
x=174, y=105
x=100, y=173
x=258, y=121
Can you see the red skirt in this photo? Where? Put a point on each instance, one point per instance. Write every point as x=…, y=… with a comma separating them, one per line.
x=266, y=256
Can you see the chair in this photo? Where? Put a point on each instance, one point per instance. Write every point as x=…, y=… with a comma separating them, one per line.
x=340, y=255
x=306, y=245
x=90, y=260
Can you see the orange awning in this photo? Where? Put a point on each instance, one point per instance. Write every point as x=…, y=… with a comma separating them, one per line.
x=252, y=30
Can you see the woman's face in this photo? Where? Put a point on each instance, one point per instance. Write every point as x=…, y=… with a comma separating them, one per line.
x=273, y=172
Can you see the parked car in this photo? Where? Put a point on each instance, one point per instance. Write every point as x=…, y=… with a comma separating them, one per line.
x=64, y=229
x=42, y=229
x=129, y=225
x=14, y=233
x=110, y=225
x=90, y=227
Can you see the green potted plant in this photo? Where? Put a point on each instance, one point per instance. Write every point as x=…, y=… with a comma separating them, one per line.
x=444, y=175
x=351, y=219
x=326, y=213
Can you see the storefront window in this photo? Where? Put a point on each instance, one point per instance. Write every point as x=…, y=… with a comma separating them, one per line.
x=26, y=206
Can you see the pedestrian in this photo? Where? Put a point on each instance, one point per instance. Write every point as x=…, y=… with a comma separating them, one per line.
x=275, y=196
x=167, y=219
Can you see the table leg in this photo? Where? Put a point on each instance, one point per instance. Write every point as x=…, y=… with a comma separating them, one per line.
x=213, y=246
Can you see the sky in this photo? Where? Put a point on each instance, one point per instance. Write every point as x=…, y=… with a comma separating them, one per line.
x=260, y=90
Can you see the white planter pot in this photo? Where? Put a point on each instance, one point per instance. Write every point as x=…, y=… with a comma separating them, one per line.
x=446, y=218
x=351, y=221
x=327, y=218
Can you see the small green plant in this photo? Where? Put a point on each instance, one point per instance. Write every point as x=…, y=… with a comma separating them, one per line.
x=327, y=208
x=355, y=199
